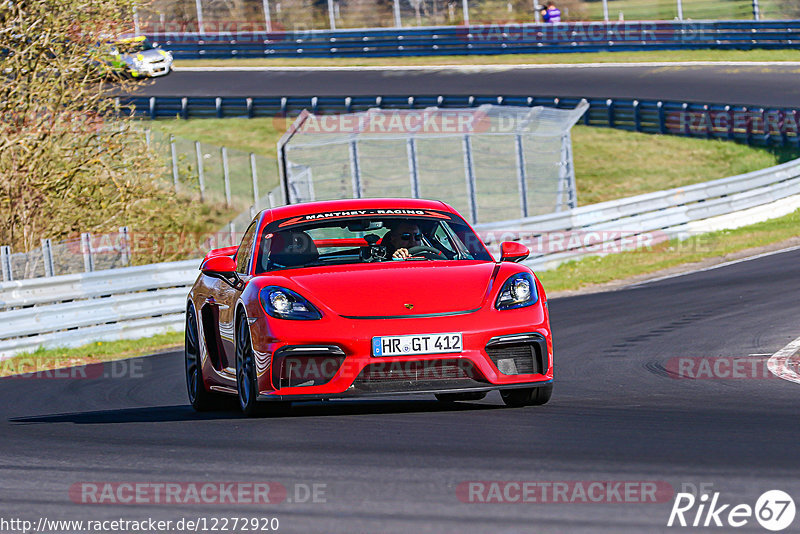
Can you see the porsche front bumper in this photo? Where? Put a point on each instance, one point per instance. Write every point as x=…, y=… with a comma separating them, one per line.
x=501, y=349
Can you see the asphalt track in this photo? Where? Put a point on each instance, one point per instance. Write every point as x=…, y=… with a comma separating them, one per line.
x=394, y=465
x=769, y=85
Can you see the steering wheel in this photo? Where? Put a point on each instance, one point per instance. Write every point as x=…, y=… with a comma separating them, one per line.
x=426, y=252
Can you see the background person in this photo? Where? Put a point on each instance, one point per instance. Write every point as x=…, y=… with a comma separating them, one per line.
x=550, y=13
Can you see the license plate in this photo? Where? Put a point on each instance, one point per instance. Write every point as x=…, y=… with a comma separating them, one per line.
x=417, y=344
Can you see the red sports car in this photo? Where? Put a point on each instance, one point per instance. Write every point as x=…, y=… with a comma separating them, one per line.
x=365, y=297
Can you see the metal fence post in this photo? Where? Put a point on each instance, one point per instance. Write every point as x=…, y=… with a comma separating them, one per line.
x=521, y=177
x=469, y=174
x=610, y=109
x=174, y=153
x=680, y=10
x=124, y=245
x=47, y=257
x=5, y=263
x=255, y=182
x=637, y=118
x=411, y=148
x=605, y=10
x=226, y=176
x=86, y=250
x=398, y=23
x=566, y=175
x=355, y=169
x=199, y=6
x=331, y=15
x=201, y=179
x=267, y=17
x=465, y=8
x=756, y=11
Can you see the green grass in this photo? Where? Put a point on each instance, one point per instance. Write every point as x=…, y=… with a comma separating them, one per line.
x=258, y=135
x=602, y=269
x=612, y=164
x=99, y=351
x=509, y=59
x=609, y=164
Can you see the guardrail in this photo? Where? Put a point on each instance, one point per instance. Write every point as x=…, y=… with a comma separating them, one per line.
x=71, y=310
x=508, y=38
x=145, y=300
x=653, y=217
x=748, y=124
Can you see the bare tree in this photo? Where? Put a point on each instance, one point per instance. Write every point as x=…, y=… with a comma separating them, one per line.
x=70, y=159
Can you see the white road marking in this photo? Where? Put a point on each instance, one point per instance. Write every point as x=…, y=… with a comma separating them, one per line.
x=711, y=268
x=496, y=68
x=781, y=363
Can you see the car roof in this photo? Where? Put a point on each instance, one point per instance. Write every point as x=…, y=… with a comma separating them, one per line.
x=306, y=208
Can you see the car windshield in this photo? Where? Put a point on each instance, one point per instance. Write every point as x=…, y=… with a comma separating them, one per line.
x=367, y=240
x=132, y=47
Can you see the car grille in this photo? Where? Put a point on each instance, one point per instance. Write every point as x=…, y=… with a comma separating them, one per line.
x=518, y=358
x=418, y=375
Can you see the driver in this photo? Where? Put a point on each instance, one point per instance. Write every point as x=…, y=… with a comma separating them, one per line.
x=402, y=237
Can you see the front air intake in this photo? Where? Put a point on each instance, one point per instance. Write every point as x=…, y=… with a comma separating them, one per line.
x=522, y=354
x=301, y=366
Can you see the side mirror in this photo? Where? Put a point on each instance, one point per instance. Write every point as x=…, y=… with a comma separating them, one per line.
x=224, y=268
x=511, y=251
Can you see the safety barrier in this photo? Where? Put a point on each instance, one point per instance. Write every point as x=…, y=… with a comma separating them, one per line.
x=653, y=217
x=748, y=124
x=140, y=301
x=73, y=309
x=486, y=39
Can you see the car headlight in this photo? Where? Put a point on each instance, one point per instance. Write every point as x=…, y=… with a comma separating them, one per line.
x=518, y=291
x=283, y=303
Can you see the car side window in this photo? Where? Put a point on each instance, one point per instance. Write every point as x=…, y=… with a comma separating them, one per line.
x=245, y=249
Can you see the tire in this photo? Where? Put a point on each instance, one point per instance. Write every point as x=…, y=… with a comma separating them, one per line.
x=516, y=398
x=460, y=397
x=246, y=382
x=200, y=398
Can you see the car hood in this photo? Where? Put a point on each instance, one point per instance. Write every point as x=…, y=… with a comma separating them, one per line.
x=148, y=56
x=389, y=290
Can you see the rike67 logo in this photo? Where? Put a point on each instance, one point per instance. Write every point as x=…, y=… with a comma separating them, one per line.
x=774, y=510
